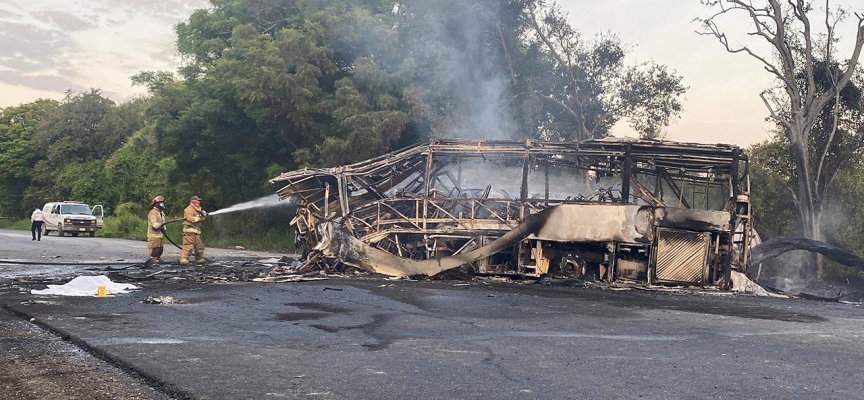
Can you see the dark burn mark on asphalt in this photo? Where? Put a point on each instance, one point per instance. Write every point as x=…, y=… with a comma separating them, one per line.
x=371, y=329
x=320, y=310
x=682, y=301
x=377, y=346
x=328, y=308
x=299, y=316
x=330, y=329
x=693, y=303
x=753, y=312
x=100, y=317
x=602, y=303
x=196, y=300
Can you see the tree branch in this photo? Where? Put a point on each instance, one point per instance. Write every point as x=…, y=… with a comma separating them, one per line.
x=721, y=37
x=846, y=76
x=774, y=114
x=828, y=143
x=512, y=74
x=800, y=11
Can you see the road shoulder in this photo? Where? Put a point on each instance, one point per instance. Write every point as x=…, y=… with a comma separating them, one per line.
x=35, y=364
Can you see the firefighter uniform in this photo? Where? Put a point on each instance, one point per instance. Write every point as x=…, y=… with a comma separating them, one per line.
x=155, y=235
x=193, y=215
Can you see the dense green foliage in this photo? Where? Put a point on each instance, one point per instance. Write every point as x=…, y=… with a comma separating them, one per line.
x=273, y=85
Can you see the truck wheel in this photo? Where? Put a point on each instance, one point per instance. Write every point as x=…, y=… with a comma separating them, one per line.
x=92, y=233
x=45, y=230
x=60, y=230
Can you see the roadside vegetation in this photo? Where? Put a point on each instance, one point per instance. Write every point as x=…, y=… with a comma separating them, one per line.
x=14, y=223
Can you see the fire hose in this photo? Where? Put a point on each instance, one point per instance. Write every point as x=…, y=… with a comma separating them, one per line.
x=166, y=233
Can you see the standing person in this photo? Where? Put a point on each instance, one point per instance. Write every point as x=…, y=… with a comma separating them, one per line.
x=193, y=215
x=36, y=221
x=155, y=231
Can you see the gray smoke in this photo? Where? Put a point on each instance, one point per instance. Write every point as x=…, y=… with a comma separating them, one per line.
x=467, y=89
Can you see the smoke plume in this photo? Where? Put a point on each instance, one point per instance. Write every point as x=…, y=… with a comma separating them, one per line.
x=465, y=84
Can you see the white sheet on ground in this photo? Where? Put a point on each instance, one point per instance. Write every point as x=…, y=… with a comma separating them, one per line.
x=87, y=286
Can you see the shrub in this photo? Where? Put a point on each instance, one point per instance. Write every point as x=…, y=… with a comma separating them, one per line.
x=125, y=225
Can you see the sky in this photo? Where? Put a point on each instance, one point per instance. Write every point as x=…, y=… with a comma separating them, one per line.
x=49, y=46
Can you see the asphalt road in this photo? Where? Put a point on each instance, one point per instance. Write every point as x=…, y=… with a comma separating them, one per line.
x=381, y=339
x=52, y=249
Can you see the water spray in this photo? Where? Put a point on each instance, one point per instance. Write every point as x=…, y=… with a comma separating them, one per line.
x=264, y=202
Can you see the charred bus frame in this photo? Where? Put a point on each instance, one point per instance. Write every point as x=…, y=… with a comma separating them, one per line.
x=608, y=209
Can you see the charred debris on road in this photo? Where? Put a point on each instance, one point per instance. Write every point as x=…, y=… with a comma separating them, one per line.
x=610, y=210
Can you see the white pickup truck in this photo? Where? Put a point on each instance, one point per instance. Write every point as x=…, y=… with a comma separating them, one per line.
x=72, y=217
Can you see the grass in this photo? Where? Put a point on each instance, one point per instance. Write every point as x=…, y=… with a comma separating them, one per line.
x=260, y=230
x=20, y=224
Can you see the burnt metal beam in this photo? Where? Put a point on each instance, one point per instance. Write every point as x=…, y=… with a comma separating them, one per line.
x=625, y=176
x=675, y=189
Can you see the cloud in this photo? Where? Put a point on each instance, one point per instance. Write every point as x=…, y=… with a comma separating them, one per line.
x=50, y=83
x=18, y=63
x=166, y=55
x=56, y=45
x=27, y=46
x=9, y=15
x=66, y=21
x=115, y=22
x=162, y=9
x=68, y=73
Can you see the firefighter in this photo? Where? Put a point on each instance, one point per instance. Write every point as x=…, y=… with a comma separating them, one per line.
x=192, y=217
x=155, y=230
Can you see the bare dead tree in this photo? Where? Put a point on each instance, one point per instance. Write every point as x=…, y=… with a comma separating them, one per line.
x=787, y=28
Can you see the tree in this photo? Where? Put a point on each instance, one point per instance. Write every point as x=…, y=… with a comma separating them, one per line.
x=591, y=86
x=771, y=177
x=72, y=143
x=18, y=158
x=798, y=50
x=274, y=85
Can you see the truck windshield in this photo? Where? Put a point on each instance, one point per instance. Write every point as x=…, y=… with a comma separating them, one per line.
x=76, y=209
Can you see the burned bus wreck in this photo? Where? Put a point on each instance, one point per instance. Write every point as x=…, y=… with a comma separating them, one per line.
x=608, y=209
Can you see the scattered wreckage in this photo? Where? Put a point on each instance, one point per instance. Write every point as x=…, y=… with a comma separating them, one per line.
x=656, y=212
